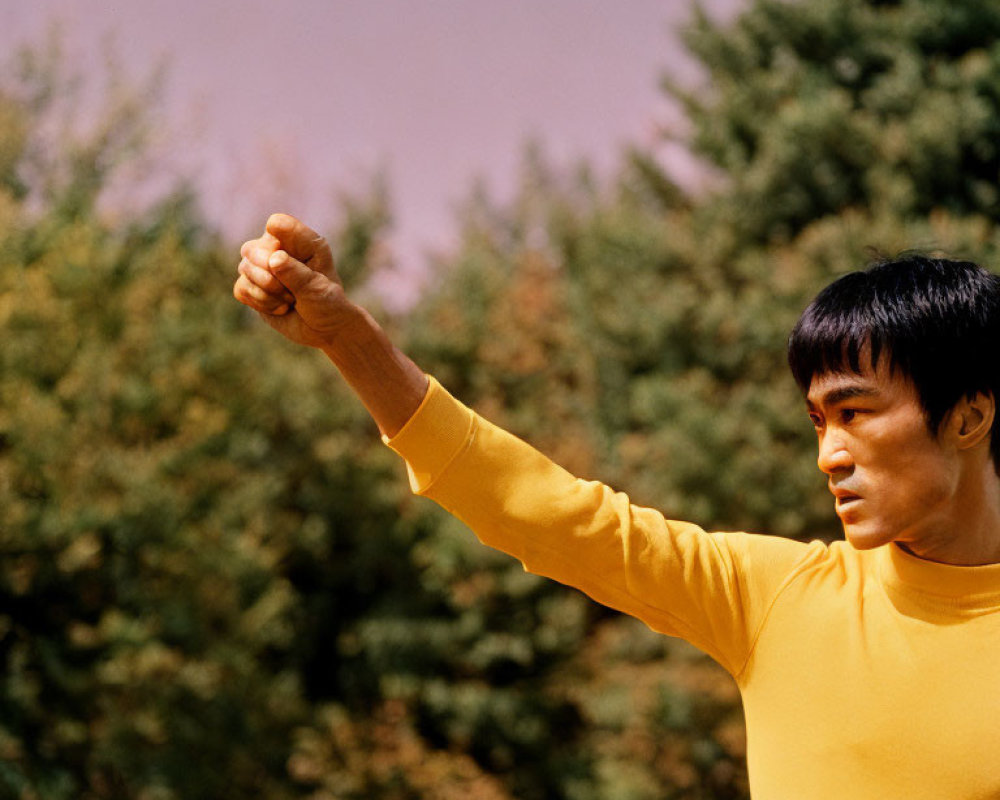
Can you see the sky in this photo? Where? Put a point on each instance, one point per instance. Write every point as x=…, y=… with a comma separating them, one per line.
x=282, y=106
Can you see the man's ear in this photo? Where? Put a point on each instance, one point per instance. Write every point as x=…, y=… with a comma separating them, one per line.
x=972, y=419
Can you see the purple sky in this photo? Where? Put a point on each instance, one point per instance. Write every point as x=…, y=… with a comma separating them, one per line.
x=279, y=105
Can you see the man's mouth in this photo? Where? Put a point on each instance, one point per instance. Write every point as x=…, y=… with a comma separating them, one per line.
x=845, y=498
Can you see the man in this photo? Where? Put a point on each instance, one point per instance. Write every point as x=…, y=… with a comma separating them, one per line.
x=868, y=668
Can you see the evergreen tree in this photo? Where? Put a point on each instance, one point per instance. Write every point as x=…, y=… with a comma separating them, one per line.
x=213, y=581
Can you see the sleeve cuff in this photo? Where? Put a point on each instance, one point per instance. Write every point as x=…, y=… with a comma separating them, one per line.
x=433, y=437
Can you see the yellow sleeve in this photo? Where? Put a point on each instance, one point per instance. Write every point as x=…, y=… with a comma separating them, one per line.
x=713, y=590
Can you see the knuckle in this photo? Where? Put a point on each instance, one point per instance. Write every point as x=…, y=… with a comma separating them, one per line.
x=317, y=247
x=245, y=295
x=259, y=294
x=279, y=221
x=267, y=282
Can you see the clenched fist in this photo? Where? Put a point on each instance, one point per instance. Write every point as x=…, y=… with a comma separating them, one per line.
x=288, y=276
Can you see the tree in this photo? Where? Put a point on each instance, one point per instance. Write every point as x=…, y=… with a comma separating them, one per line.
x=212, y=578
x=814, y=109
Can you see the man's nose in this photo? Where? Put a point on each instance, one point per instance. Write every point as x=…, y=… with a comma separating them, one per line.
x=833, y=454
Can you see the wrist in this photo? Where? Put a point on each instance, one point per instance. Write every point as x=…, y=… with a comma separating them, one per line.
x=355, y=328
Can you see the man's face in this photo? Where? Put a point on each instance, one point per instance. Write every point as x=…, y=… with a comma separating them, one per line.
x=893, y=480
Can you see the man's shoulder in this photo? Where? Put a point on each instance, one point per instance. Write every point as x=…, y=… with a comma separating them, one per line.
x=793, y=559
x=769, y=547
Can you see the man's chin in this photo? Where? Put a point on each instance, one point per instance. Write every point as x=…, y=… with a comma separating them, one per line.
x=867, y=537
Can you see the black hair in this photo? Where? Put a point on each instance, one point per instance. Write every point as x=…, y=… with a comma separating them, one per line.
x=936, y=320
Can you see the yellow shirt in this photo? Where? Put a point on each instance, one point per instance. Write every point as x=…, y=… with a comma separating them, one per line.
x=863, y=674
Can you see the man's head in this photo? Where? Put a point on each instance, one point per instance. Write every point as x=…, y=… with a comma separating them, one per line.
x=900, y=368
x=936, y=321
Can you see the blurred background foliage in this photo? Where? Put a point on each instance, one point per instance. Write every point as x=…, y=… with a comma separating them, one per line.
x=213, y=582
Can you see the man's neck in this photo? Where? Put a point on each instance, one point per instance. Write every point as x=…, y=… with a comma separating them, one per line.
x=970, y=536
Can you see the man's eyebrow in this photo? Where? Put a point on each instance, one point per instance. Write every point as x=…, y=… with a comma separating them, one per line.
x=841, y=393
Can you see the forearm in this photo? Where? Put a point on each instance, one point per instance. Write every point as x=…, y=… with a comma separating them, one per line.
x=386, y=381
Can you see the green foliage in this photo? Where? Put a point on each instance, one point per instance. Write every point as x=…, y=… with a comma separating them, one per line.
x=208, y=556
x=814, y=108
x=213, y=581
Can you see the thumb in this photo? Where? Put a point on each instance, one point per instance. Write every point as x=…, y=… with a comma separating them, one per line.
x=293, y=274
x=301, y=241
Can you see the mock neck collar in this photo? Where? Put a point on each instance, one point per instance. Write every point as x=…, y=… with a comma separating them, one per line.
x=971, y=588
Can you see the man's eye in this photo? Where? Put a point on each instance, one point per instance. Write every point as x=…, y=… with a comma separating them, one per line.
x=816, y=420
x=847, y=415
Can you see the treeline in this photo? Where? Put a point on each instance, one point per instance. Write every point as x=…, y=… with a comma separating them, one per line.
x=213, y=581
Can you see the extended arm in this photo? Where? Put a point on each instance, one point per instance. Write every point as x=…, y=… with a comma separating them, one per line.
x=674, y=576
